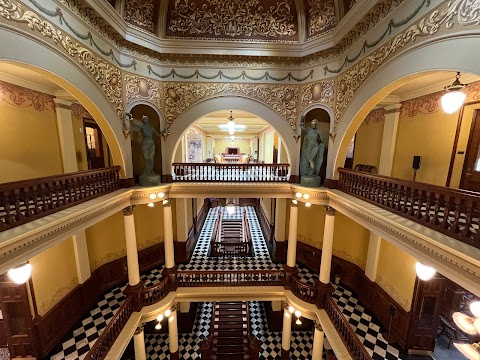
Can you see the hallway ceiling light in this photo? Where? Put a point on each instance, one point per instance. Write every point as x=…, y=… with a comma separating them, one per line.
x=20, y=274
x=472, y=352
x=294, y=202
x=475, y=309
x=158, y=326
x=151, y=204
x=153, y=196
x=291, y=309
x=168, y=312
x=307, y=204
x=454, y=97
x=231, y=124
x=232, y=138
x=298, y=322
x=159, y=317
x=298, y=313
x=306, y=196
x=299, y=195
x=465, y=323
x=161, y=195
x=424, y=272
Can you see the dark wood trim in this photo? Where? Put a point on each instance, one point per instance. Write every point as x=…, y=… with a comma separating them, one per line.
x=167, y=179
x=127, y=183
x=264, y=223
x=279, y=251
x=187, y=320
x=469, y=146
x=294, y=179
x=184, y=249
x=330, y=183
x=455, y=145
x=202, y=215
x=375, y=299
x=52, y=327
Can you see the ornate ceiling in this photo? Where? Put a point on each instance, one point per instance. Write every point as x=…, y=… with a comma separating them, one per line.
x=277, y=21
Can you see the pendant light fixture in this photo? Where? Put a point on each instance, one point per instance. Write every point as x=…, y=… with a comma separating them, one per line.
x=424, y=272
x=471, y=326
x=231, y=124
x=454, y=97
x=20, y=274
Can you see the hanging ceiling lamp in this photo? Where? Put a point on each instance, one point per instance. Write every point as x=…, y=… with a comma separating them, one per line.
x=20, y=274
x=230, y=207
x=470, y=325
x=424, y=272
x=231, y=124
x=454, y=97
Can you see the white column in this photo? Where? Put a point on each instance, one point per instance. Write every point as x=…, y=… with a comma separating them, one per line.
x=287, y=330
x=131, y=240
x=318, y=337
x=168, y=234
x=81, y=256
x=372, y=256
x=327, y=247
x=389, y=139
x=65, y=135
x=292, y=234
x=173, y=331
x=139, y=344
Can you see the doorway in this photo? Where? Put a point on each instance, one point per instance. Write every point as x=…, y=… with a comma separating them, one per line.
x=471, y=168
x=98, y=154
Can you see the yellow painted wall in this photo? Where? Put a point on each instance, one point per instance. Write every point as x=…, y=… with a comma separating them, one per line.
x=200, y=202
x=106, y=240
x=79, y=137
x=311, y=222
x=54, y=275
x=430, y=136
x=189, y=213
x=350, y=240
x=29, y=144
x=148, y=225
x=368, y=144
x=266, y=205
x=396, y=274
x=222, y=144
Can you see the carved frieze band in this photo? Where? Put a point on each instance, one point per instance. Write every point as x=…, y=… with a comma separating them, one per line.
x=320, y=17
x=107, y=76
x=142, y=88
x=318, y=92
x=178, y=97
x=140, y=13
x=463, y=12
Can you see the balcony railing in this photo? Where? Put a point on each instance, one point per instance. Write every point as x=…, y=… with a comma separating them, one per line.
x=28, y=200
x=231, y=278
x=230, y=172
x=346, y=332
x=305, y=292
x=455, y=213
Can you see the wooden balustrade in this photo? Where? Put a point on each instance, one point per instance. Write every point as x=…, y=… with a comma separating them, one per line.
x=106, y=339
x=154, y=294
x=303, y=291
x=231, y=278
x=27, y=200
x=229, y=249
x=230, y=172
x=455, y=213
x=346, y=332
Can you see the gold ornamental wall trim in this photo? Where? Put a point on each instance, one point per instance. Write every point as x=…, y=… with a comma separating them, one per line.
x=463, y=12
x=106, y=76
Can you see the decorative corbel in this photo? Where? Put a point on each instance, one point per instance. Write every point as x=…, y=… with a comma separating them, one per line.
x=296, y=137
x=126, y=124
x=333, y=136
x=165, y=132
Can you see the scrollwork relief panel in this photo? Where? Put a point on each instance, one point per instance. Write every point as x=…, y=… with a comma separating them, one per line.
x=320, y=17
x=141, y=13
x=319, y=92
x=178, y=97
x=142, y=88
x=22, y=97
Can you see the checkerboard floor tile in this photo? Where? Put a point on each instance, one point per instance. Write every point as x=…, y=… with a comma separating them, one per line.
x=362, y=322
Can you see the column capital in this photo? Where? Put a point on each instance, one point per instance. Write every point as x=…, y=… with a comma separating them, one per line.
x=394, y=108
x=330, y=210
x=128, y=210
x=167, y=203
x=139, y=330
x=293, y=203
x=318, y=326
x=63, y=104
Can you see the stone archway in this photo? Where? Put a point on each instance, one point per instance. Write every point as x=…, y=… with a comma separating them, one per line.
x=183, y=122
x=57, y=68
x=393, y=75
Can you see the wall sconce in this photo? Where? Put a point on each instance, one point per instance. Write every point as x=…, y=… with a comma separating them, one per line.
x=168, y=314
x=470, y=325
x=307, y=204
x=424, y=272
x=291, y=311
x=20, y=274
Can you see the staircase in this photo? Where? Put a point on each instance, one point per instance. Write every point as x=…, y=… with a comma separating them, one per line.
x=232, y=230
x=230, y=333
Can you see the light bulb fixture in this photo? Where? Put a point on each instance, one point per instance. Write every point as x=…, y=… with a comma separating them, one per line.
x=472, y=352
x=171, y=318
x=298, y=322
x=475, y=308
x=306, y=196
x=168, y=313
x=231, y=124
x=454, y=97
x=291, y=309
x=299, y=195
x=294, y=202
x=20, y=274
x=465, y=323
x=161, y=195
x=230, y=207
x=298, y=313
x=307, y=204
x=160, y=318
x=288, y=315
x=476, y=324
x=151, y=204
x=166, y=202
x=158, y=326
x=232, y=138
x=153, y=196
x=424, y=272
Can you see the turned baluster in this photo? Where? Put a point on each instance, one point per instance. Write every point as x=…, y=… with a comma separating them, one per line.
x=17, y=202
x=27, y=194
x=467, y=208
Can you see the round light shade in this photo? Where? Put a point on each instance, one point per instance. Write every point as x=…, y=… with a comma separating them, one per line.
x=452, y=101
x=298, y=322
x=298, y=194
x=161, y=195
x=476, y=323
x=470, y=351
x=291, y=309
x=168, y=313
x=230, y=209
x=306, y=196
x=231, y=127
x=151, y=204
x=308, y=204
x=153, y=196
x=20, y=274
x=475, y=308
x=158, y=326
x=159, y=317
x=298, y=313
x=464, y=322
x=424, y=272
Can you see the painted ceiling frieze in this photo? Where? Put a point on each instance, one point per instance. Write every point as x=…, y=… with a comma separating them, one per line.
x=269, y=20
x=319, y=92
x=137, y=87
x=462, y=12
x=105, y=75
x=141, y=13
x=321, y=17
x=347, y=5
x=178, y=97
x=376, y=116
x=22, y=97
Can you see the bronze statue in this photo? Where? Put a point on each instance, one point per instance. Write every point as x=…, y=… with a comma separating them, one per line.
x=313, y=148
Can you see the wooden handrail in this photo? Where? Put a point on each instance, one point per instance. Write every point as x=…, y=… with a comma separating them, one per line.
x=106, y=339
x=230, y=172
x=303, y=291
x=28, y=200
x=154, y=294
x=232, y=278
x=346, y=332
x=455, y=213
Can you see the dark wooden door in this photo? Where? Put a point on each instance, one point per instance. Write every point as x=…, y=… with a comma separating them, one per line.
x=471, y=168
x=425, y=314
x=94, y=144
x=17, y=319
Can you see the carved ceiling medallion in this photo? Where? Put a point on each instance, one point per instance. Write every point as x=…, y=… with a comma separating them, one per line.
x=321, y=17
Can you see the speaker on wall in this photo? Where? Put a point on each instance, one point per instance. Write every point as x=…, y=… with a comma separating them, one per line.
x=416, y=162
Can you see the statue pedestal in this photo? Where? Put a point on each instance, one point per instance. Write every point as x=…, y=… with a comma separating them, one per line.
x=150, y=180
x=310, y=181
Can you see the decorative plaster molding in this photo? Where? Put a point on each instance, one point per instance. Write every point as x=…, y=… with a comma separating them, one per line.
x=128, y=211
x=329, y=210
x=376, y=116
x=108, y=258
x=321, y=17
x=140, y=13
x=318, y=92
x=107, y=76
x=462, y=12
x=342, y=254
x=394, y=293
x=178, y=97
x=142, y=88
x=22, y=97
x=79, y=112
x=59, y=294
